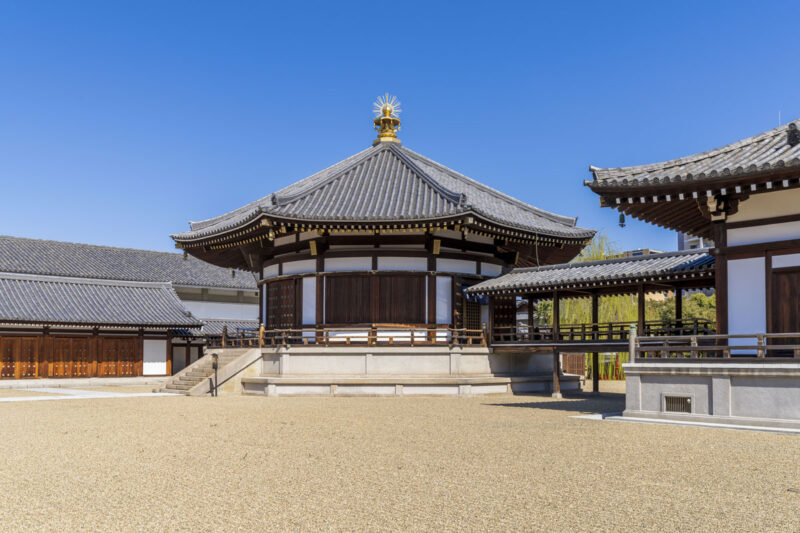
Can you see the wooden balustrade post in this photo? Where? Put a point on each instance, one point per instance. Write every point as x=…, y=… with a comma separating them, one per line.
x=761, y=353
x=260, y=335
x=224, y=336
x=485, y=335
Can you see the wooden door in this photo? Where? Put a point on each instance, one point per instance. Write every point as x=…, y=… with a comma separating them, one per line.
x=282, y=303
x=8, y=367
x=785, y=305
x=119, y=356
x=61, y=357
x=19, y=357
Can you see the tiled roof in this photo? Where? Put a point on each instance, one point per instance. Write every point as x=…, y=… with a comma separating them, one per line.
x=774, y=149
x=212, y=327
x=56, y=258
x=38, y=299
x=388, y=182
x=671, y=265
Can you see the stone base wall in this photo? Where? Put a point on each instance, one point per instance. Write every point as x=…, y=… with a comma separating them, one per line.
x=756, y=394
x=404, y=370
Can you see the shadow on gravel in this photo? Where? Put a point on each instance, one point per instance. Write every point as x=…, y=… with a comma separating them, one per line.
x=605, y=403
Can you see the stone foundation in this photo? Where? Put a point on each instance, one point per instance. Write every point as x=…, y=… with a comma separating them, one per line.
x=722, y=392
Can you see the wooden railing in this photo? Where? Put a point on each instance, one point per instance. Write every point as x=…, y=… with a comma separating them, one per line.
x=758, y=346
x=521, y=333
x=353, y=334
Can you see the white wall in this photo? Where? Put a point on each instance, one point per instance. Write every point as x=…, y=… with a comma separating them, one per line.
x=222, y=310
x=460, y=266
x=154, y=362
x=271, y=271
x=766, y=233
x=309, y=300
x=403, y=263
x=344, y=264
x=747, y=296
x=300, y=267
x=784, y=261
x=444, y=299
x=490, y=269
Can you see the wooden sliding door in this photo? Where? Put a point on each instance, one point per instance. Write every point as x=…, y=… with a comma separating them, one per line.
x=784, y=309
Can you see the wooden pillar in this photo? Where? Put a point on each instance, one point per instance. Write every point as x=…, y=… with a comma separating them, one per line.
x=530, y=318
x=490, y=325
x=679, y=308
x=640, y=309
x=138, y=368
x=595, y=355
x=721, y=276
x=169, y=354
x=556, y=355
x=188, y=352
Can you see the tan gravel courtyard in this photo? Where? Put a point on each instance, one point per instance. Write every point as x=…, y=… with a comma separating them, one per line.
x=488, y=463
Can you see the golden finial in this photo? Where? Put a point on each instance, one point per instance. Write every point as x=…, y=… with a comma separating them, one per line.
x=386, y=122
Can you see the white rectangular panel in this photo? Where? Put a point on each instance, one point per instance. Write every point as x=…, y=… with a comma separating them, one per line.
x=309, y=300
x=271, y=271
x=300, y=267
x=344, y=264
x=747, y=296
x=784, y=261
x=460, y=266
x=767, y=233
x=490, y=269
x=154, y=358
x=403, y=263
x=444, y=299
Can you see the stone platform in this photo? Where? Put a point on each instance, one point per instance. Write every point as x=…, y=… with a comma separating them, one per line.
x=401, y=385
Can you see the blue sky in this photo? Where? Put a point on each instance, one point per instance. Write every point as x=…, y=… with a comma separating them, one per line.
x=121, y=121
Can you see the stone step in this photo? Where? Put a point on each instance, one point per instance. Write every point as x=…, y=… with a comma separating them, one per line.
x=179, y=386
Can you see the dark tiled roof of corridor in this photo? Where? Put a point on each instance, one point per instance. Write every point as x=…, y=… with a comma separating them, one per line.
x=57, y=258
x=593, y=273
x=34, y=299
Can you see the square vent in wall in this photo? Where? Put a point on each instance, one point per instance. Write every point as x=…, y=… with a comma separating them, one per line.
x=678, y=404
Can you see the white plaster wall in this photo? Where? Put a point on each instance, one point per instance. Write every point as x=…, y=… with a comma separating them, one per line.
x=747, y=296
x=787, y=260
x=777, y=203
x=447, y=234
x=403, y=263
x=491, y=269
x=309, y=300
x=154, y=362
x=300, y=267
x=222, y=310
x=766, y=233
x=444, y=299
x=460, y=266
x=308, y=235
x=271, y=271
x=344, y=264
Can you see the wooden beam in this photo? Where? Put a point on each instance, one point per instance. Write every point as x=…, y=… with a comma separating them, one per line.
x=678, y=304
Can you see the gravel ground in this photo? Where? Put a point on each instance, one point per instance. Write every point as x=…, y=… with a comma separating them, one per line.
x=122, y=389
x=13, y=393
x=606, y=386
x=517, y=463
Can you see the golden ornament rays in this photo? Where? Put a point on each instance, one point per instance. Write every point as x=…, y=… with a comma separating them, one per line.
x=387, y=106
